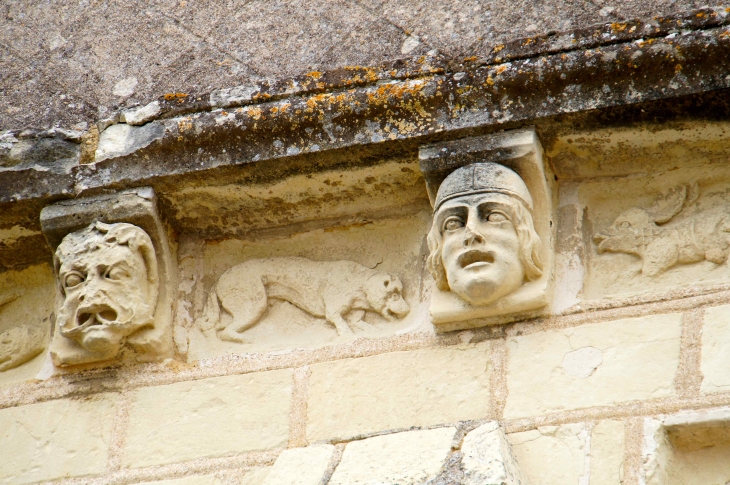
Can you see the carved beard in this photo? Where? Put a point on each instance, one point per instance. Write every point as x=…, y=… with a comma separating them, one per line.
x=102, y=325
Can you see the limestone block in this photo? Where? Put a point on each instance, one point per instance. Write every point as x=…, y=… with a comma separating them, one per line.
x=26, y=309
x=56, y=439
x=295, y=317
x=409, y=458
x=491, y=238
x=551, y=455
x=325, y=289
x=115, y=278
x=607, y=453
x=301, y=466
x=715, y=364
x=208, y=418
x=195, y=480
x=397, y=390
x=487, y=458
x=687, y=448
x=653, y=233
x=561, y=369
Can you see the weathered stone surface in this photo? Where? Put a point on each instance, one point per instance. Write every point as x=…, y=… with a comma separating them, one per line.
x=715, y=364
x=551, y=455
x=211, y=44
x=123, y=139
x=687, y=448
x=217, y=416
x=194, y=480
x=141, y=114
x=639, y=359
x=301, y=466
x=56, y=439
x=409, y=458
x=607, y=452
x=487, y=457
x=398, y=390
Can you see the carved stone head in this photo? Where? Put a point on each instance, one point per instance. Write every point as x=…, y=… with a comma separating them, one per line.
x=108, y=281
x=483, y=245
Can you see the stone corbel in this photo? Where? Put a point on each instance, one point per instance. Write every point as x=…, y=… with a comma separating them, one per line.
x=500, y=163
x=115, y=278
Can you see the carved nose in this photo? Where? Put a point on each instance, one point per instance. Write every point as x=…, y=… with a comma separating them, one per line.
x=471, y=237
x=599, y=238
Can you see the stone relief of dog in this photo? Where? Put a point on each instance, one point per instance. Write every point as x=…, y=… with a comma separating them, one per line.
x=328, y=289
x=663, y=242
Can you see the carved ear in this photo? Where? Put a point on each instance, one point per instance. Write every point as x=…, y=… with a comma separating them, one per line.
x=671, y=203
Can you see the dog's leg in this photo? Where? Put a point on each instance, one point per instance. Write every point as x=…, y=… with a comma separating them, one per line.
x=246, y=303
x=335, y=317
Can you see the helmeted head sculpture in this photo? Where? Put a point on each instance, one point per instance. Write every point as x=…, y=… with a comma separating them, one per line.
x=108, y=280
x=483, y=245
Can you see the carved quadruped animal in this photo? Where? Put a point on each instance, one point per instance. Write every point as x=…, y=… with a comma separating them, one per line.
x=663, y=243
x=329, y=289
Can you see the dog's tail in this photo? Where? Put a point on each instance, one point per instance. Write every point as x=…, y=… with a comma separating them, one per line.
x=211, y=313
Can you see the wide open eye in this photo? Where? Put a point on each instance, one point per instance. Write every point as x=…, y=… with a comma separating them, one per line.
x=496, y=217
x=625, y=224
x=73, y=279
x=453, y=223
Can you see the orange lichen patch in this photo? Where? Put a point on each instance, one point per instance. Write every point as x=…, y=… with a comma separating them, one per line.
x=314, y=74
x=618, y=27
x=677, y=68
x=529, y=41
x=224, y=113
x=725, y=34
x=701, y=15
x=255, y=112
x=498, y=48
x=501, y=69
x=178, y=96
x=490, y=81
x=184, y=125
x=470, y=59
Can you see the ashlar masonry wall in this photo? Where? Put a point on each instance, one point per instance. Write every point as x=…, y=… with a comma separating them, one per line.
x=611, y=382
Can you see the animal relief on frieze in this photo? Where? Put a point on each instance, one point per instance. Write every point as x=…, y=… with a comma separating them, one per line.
x=324, y=289
x=673, y=231
x=19, y=343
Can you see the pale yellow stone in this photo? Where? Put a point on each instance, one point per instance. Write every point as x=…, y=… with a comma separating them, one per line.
x=301, y=466
x=551, y=455
x=208, y=418
x=638, y=361
x=409, y=458
x=397, y=390
x=254, y=476
x=56, y=439
x=194, y=480
x=716, y=349
x=607, y=452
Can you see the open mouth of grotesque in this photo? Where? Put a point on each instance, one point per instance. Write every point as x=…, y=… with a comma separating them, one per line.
x=103, y=317
x=475, y=258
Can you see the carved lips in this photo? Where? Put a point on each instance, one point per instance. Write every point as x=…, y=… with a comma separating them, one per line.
x=475, y=258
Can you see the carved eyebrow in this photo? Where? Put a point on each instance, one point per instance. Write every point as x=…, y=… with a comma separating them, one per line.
x=451, y=211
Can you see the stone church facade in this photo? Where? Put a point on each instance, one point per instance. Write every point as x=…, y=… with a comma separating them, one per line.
x=273, y=243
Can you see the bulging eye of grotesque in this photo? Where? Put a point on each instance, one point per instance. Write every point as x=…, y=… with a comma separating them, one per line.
x=496, y=217
x=116, y=273
x=73, y=279
x=625, y=224
x=453, y=223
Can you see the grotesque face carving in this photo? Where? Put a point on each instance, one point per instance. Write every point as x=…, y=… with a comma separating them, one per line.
x=108, y=280
x=483, y=244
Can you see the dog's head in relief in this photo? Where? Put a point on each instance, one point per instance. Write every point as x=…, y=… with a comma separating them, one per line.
x=384, y=293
